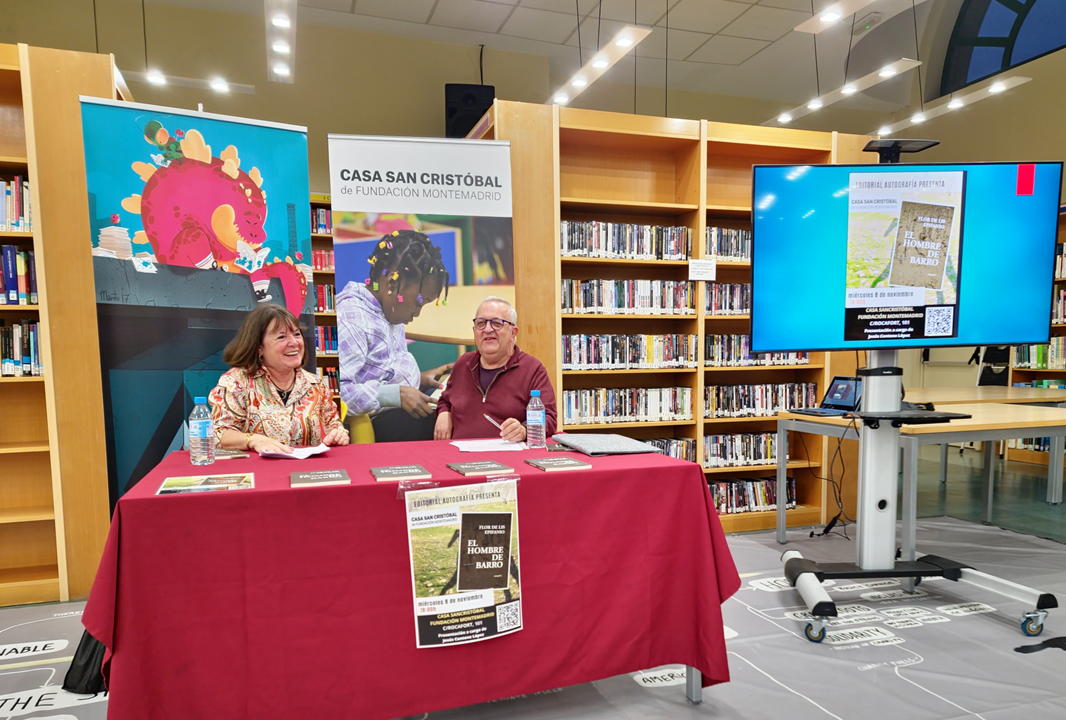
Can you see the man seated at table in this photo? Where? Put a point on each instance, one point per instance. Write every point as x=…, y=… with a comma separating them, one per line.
x=494, y=380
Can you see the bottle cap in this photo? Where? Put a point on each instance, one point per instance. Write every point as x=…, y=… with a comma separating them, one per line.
x=534, y=393
x=200, y=401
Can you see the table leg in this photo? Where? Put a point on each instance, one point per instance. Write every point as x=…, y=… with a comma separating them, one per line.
x=782, y=482
x=944, y=462
x=1054, y=470
x=693, y=685
x=988, y=475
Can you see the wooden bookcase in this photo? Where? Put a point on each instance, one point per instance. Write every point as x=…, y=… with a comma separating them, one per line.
x=323, y=241
x=587, y=165
x=54, y=510
x=1028, y=375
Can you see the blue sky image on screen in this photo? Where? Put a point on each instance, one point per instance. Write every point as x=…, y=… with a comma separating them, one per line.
x=800, y=269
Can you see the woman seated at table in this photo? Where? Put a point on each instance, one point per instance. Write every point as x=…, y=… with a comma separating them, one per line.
x=268, y=402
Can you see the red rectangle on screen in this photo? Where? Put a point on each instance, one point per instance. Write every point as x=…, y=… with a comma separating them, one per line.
x=1026, y=178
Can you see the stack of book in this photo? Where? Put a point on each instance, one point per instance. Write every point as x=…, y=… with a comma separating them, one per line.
x=732, y=401
x=750, y=495
x=680, y=448
x=729, y=244
x=326, y=339
x=739, y=449
x=16, y=210
x=322, y=260
x=18, y=281
x=629, y=297
x=625, y=241
x=728, y=298
x=321, y=221
x=735, y=351
x=325, y=300
x=1041, y=357
x=628, y=352
x=595, y=406
x=331, y=377
x=20, y=345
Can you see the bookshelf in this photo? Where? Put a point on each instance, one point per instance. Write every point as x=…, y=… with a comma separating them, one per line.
x=54, y=491
x=1031, y=375
x=323, y=274
x=587, y=166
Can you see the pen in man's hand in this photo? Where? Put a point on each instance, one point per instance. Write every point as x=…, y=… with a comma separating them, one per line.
x=489, y=418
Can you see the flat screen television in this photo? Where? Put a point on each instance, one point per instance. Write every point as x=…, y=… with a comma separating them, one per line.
x=862, y=257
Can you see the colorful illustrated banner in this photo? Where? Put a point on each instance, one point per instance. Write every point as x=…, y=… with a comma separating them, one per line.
x=194, y=220
x=464, y=562
x=904, y=250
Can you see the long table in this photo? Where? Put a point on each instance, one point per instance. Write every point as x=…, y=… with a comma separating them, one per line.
x=989, y=421
x=275, y=602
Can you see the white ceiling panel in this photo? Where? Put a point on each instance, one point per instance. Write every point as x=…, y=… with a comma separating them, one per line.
x=416, y=11
x=725, y=50
x=539, y=25
x=682, y=43
x=607, y=30
x=648, y=11
x=708, y=16
x=566, y=7
x=470, y=15
x=803, y=6
x=765, y=23
x=334, y=5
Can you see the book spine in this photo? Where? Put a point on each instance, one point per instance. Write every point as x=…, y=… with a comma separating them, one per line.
x=23, y=285
x=31, y=266
x=11, y=274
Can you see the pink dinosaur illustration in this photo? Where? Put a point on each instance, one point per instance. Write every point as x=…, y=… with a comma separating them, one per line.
x=205, y=212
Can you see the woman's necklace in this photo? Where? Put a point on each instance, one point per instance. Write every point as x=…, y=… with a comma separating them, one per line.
x=283, y=393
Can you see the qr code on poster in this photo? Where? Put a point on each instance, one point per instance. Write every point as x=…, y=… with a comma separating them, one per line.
x=508, y=616
x=939, y=321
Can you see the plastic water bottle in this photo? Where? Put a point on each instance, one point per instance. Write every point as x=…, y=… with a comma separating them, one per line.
x=535, y=422
x=201, y=434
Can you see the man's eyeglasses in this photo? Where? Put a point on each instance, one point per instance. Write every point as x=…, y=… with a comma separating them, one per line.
x=496, y=323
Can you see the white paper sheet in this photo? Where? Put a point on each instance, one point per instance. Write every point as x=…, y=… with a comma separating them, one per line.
x=489, y=445
x=300, y=453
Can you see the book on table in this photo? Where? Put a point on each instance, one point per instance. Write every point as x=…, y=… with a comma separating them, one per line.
x=318, y=478
x=228, y=454
x=553, y=464
x=480, y=467
x=206, y=483
x=400, y=472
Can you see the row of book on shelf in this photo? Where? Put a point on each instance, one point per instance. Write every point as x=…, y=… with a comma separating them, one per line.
x=728, y=299
x=326, y=339
x=321, y=221
x=735, y=351
x=322, y=260
x=629, y=352
x=18, y=281
x=751, y=495
x=325, y=300
x=630, y=241
x=740, y=449
x=330, y=376
x=1051, y=356
x=628, y=297
x=16, y=210
x=765, y=400
x=597, y=406
x=20, y=349
x=1058, y=308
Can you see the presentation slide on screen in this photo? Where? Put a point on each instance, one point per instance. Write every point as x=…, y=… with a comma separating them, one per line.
x=894, y=256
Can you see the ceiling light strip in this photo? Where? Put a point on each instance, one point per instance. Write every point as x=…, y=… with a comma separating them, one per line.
x=175, y=81
x=956, y=101
x=854, y=86
x=831, y=15
x=279, y=16
x=603, y=60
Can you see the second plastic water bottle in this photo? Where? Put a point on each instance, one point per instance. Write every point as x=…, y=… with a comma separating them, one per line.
x=535, y=421
x=201, y=434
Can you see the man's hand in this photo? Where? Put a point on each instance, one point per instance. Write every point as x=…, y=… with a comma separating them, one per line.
x=443, y=429
x=431, y=378
x=513, y=430
x=414, y=402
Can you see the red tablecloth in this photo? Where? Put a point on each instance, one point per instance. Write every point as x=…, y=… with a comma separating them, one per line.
x=278, y=602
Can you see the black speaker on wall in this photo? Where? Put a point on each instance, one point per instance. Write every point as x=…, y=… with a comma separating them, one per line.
x=464, y=105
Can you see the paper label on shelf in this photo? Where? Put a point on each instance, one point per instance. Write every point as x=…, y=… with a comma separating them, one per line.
x=702, y=269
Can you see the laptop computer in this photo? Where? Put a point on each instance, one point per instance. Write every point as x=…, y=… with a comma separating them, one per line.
x=841, y=397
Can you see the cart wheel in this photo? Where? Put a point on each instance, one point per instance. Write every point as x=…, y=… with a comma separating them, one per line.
x=917, y=581
x=814, y=635
x=1031, y=627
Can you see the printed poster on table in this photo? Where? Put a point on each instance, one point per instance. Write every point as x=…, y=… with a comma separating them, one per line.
x=904, y=253
x=464, y=562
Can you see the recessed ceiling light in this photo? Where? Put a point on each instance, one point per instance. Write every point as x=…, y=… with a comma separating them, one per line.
x=561, y=98
x=888, y=71
x=579, y=82
x=600, y=63
x=917, y=118
x=784, y=118
x=219, y=85
x=997, y=87
x=281, y=21
x=156, y=78
x=623, y=42
x=847, y=90
x=955, y=104
x=886, y=130
x=281, y=69
x=281, y=47
x=814, y=104
x=830, y=17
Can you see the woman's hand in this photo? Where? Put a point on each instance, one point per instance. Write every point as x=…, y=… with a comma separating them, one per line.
x=443, y=429
x=262, y=444
x=414, y=402
x=512, y=430
x=336, y=437
x=431, y=378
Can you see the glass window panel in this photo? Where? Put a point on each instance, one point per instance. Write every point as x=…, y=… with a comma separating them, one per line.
x=1044, y=30
x=985, y=61
x=998, y=21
